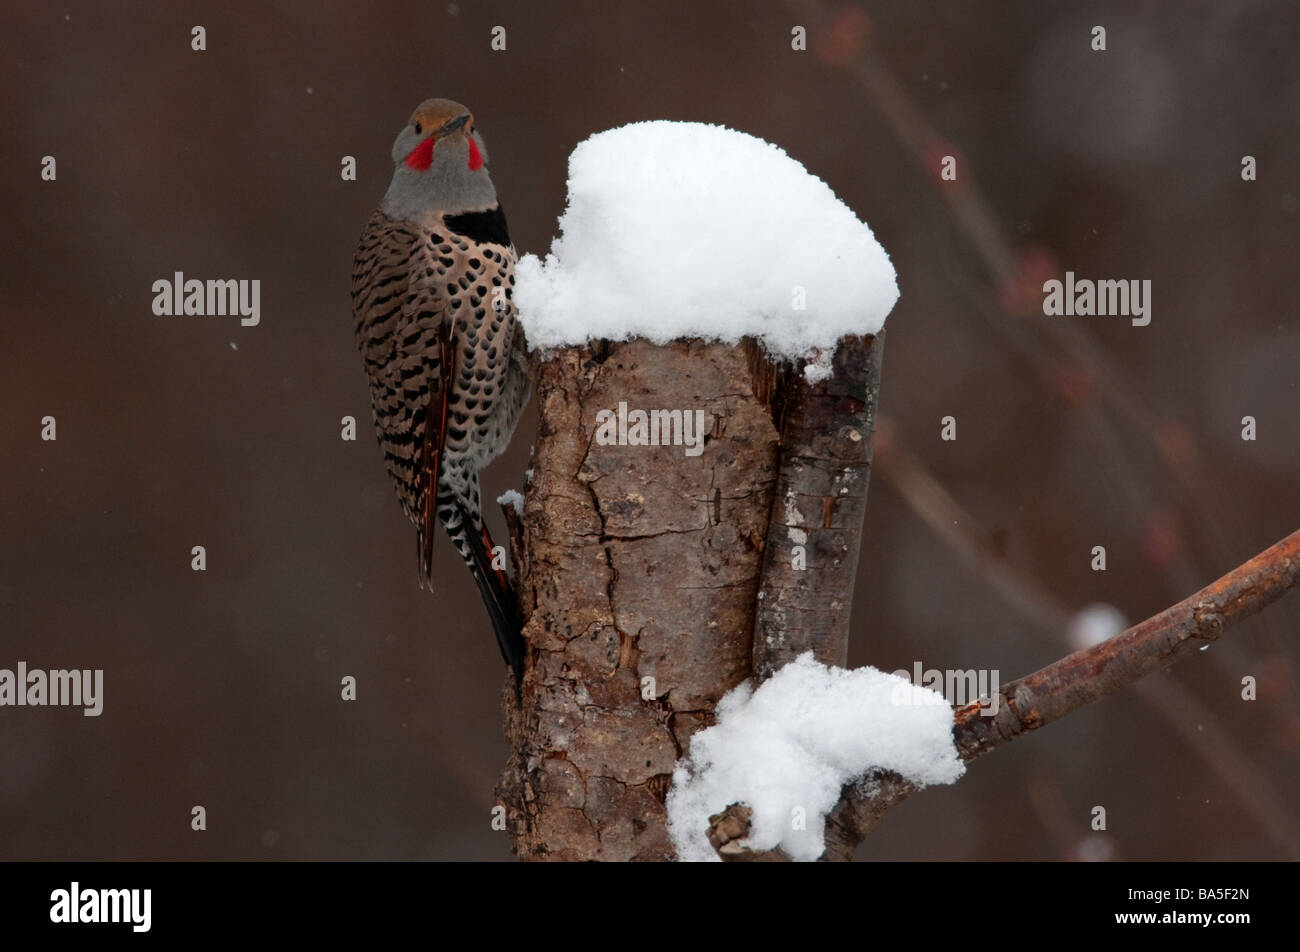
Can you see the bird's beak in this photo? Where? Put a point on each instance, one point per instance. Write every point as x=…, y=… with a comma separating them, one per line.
x=453, y=125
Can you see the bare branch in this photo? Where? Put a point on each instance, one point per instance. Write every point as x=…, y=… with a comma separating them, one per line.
x=1064, y=686
x=1083, y=677
x=1168, y=699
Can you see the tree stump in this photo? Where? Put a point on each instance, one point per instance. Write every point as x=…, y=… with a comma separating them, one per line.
x=640, y=571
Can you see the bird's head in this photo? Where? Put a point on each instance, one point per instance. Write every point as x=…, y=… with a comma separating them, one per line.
x=439, y=135
x=440, y=164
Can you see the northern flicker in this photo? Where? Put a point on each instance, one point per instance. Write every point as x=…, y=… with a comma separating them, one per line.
x=446, y=359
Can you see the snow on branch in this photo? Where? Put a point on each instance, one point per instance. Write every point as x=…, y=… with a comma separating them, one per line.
x=788, y=747
x=1034, y=701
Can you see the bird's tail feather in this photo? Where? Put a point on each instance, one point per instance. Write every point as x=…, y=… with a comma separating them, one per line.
x=496, y=591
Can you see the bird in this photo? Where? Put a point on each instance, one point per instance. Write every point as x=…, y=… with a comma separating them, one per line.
x=445, y=356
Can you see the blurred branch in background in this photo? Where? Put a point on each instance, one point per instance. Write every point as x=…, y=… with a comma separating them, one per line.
x=1063, y=353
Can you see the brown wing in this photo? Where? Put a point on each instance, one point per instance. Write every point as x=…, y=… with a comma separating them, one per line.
x=435, y=432
x=404, y=336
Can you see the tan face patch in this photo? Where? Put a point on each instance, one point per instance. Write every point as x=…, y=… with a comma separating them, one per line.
x=432, y=114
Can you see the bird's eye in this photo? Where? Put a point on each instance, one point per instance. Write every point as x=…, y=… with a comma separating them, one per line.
x=418, y=128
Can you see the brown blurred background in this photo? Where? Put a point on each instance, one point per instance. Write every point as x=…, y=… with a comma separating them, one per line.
x=222, y=687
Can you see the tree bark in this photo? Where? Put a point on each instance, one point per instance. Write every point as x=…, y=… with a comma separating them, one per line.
x=639, y=568
x=810, y=561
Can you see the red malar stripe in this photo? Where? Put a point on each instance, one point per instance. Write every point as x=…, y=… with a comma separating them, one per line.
x=421, y=156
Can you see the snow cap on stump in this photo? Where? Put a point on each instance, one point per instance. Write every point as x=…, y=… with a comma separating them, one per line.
x=682, y=229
